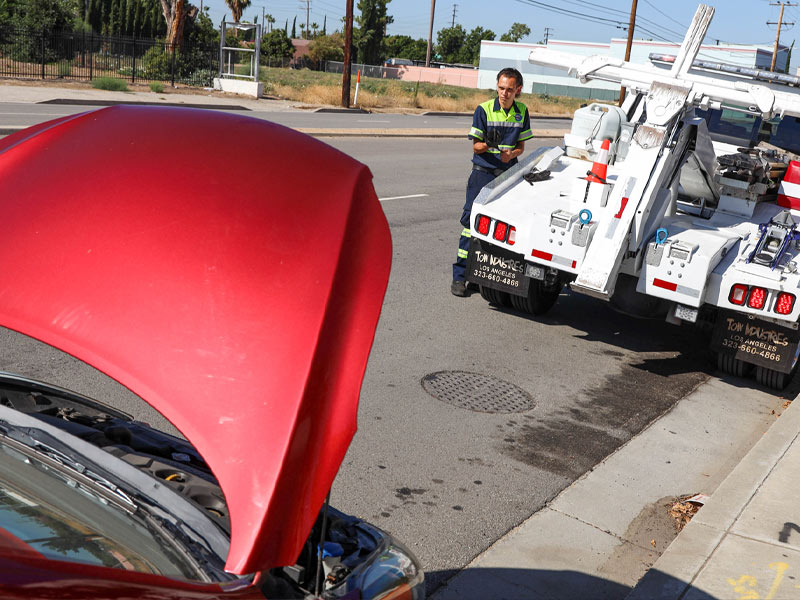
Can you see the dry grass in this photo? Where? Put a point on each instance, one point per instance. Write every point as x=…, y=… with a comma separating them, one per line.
x=313, y=87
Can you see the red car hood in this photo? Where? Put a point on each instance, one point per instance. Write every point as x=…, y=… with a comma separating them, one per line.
x=227, y=270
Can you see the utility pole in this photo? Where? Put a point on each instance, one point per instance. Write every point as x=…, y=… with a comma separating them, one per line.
x=348, y=41
x=778, y=34
x=262, y=20
x=430, y=34
x=631, y=26
x=453, y=24
x=547, y=31
x=308, y=10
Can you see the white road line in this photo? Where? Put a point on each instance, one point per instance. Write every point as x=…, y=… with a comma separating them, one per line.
x=370, y=121
x=404, y=197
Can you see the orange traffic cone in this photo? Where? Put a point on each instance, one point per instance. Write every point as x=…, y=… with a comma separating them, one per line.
x=600, y=165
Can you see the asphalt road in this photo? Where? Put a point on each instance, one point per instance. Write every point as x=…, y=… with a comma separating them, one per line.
x=449, y=481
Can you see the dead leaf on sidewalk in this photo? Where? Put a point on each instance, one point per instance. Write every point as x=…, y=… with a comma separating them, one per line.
x=653, y=543
x=786, y=404
x=685, y=507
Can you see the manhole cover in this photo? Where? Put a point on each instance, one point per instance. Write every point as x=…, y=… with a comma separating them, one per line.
x=477, y=392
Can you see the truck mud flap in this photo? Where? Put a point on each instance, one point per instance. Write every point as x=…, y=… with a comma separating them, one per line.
x=497, y=268
x=755, y=341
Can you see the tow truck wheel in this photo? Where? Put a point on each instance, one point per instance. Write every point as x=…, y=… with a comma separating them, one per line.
x=732, y=366
x=496, y=297
x=772, y=379
x=539, y=299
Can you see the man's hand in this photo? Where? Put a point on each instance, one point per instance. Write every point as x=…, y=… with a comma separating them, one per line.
x=506, y=155
x=479, y=147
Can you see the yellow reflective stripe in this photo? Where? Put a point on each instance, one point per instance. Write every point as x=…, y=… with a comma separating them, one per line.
x=475, y=132
x=493, y=151
x=466, y=233
x=505, y=146
x=525, y=135
x=462, y=254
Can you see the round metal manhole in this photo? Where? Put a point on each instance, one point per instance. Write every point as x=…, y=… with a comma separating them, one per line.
x=477, y=392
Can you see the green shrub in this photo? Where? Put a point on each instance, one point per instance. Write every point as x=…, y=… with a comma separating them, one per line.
x=157, y=87
x=157, y=63
x=110, y=83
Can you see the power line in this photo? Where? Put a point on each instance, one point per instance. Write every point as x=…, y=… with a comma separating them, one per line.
x=571, y=13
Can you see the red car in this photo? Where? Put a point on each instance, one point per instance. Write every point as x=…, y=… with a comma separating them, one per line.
x=230, y=272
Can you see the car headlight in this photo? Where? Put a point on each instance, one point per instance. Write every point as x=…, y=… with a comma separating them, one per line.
x=392, y=573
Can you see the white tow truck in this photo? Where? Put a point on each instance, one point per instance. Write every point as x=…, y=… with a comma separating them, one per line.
x=695, y=219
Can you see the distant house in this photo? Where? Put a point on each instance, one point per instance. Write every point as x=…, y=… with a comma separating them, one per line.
x=300, y=50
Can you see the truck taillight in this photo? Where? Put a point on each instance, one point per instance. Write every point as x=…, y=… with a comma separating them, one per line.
x=500, y=231
x=483, y=224
x=512, y=235
x=784, y=304
x=738, y=294
x=757, y=297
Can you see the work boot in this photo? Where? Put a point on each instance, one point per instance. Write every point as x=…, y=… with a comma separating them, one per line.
x=458, y=288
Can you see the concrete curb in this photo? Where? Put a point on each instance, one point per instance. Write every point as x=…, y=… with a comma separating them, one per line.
x=677, y=570
x=420, y=133
x=77, y=102
x=576, y=548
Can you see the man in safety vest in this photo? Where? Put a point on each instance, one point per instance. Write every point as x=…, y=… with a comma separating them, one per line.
x=499, y=130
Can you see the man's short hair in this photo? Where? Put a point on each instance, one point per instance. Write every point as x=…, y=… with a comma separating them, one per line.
x=510, y=72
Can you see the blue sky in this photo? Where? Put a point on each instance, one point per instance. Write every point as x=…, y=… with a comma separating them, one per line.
x=736, y=21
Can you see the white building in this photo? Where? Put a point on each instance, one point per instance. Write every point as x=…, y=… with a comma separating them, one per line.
x=544, y=80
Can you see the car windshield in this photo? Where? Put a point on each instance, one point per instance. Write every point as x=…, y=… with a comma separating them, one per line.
x=746, y=129
x=52, y=514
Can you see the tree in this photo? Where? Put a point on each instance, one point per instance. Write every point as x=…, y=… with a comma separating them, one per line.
x=270, y=21
x=45, y=14
x=372, y=24
x=303, y=31
x=449, y=42
x=176, y=12
x=403, y=46
x=471, y=51
x=276, y=43
x=314, y=29
x=324, y=24
x=294, y=28
x=327, y=47
x=516, y=33
x=237, y=8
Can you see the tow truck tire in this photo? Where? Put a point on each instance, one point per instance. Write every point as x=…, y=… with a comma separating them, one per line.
x=732, y=366
x=773, y=379
x=539, y=300
x=496, y=297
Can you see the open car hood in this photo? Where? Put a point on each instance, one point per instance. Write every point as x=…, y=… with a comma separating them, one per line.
x=227, y=270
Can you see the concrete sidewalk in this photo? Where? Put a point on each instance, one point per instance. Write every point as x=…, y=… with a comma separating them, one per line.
x=745, y=542
x=602, y=534
x=82, y=95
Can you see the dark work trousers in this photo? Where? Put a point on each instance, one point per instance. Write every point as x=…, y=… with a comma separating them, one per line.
x=477, y=180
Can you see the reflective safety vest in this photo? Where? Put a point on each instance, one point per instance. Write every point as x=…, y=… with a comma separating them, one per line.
x=514, y=126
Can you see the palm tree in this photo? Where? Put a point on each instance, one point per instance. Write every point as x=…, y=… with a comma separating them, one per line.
x=314, y=28
x=237, y=8
x=270, y=20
